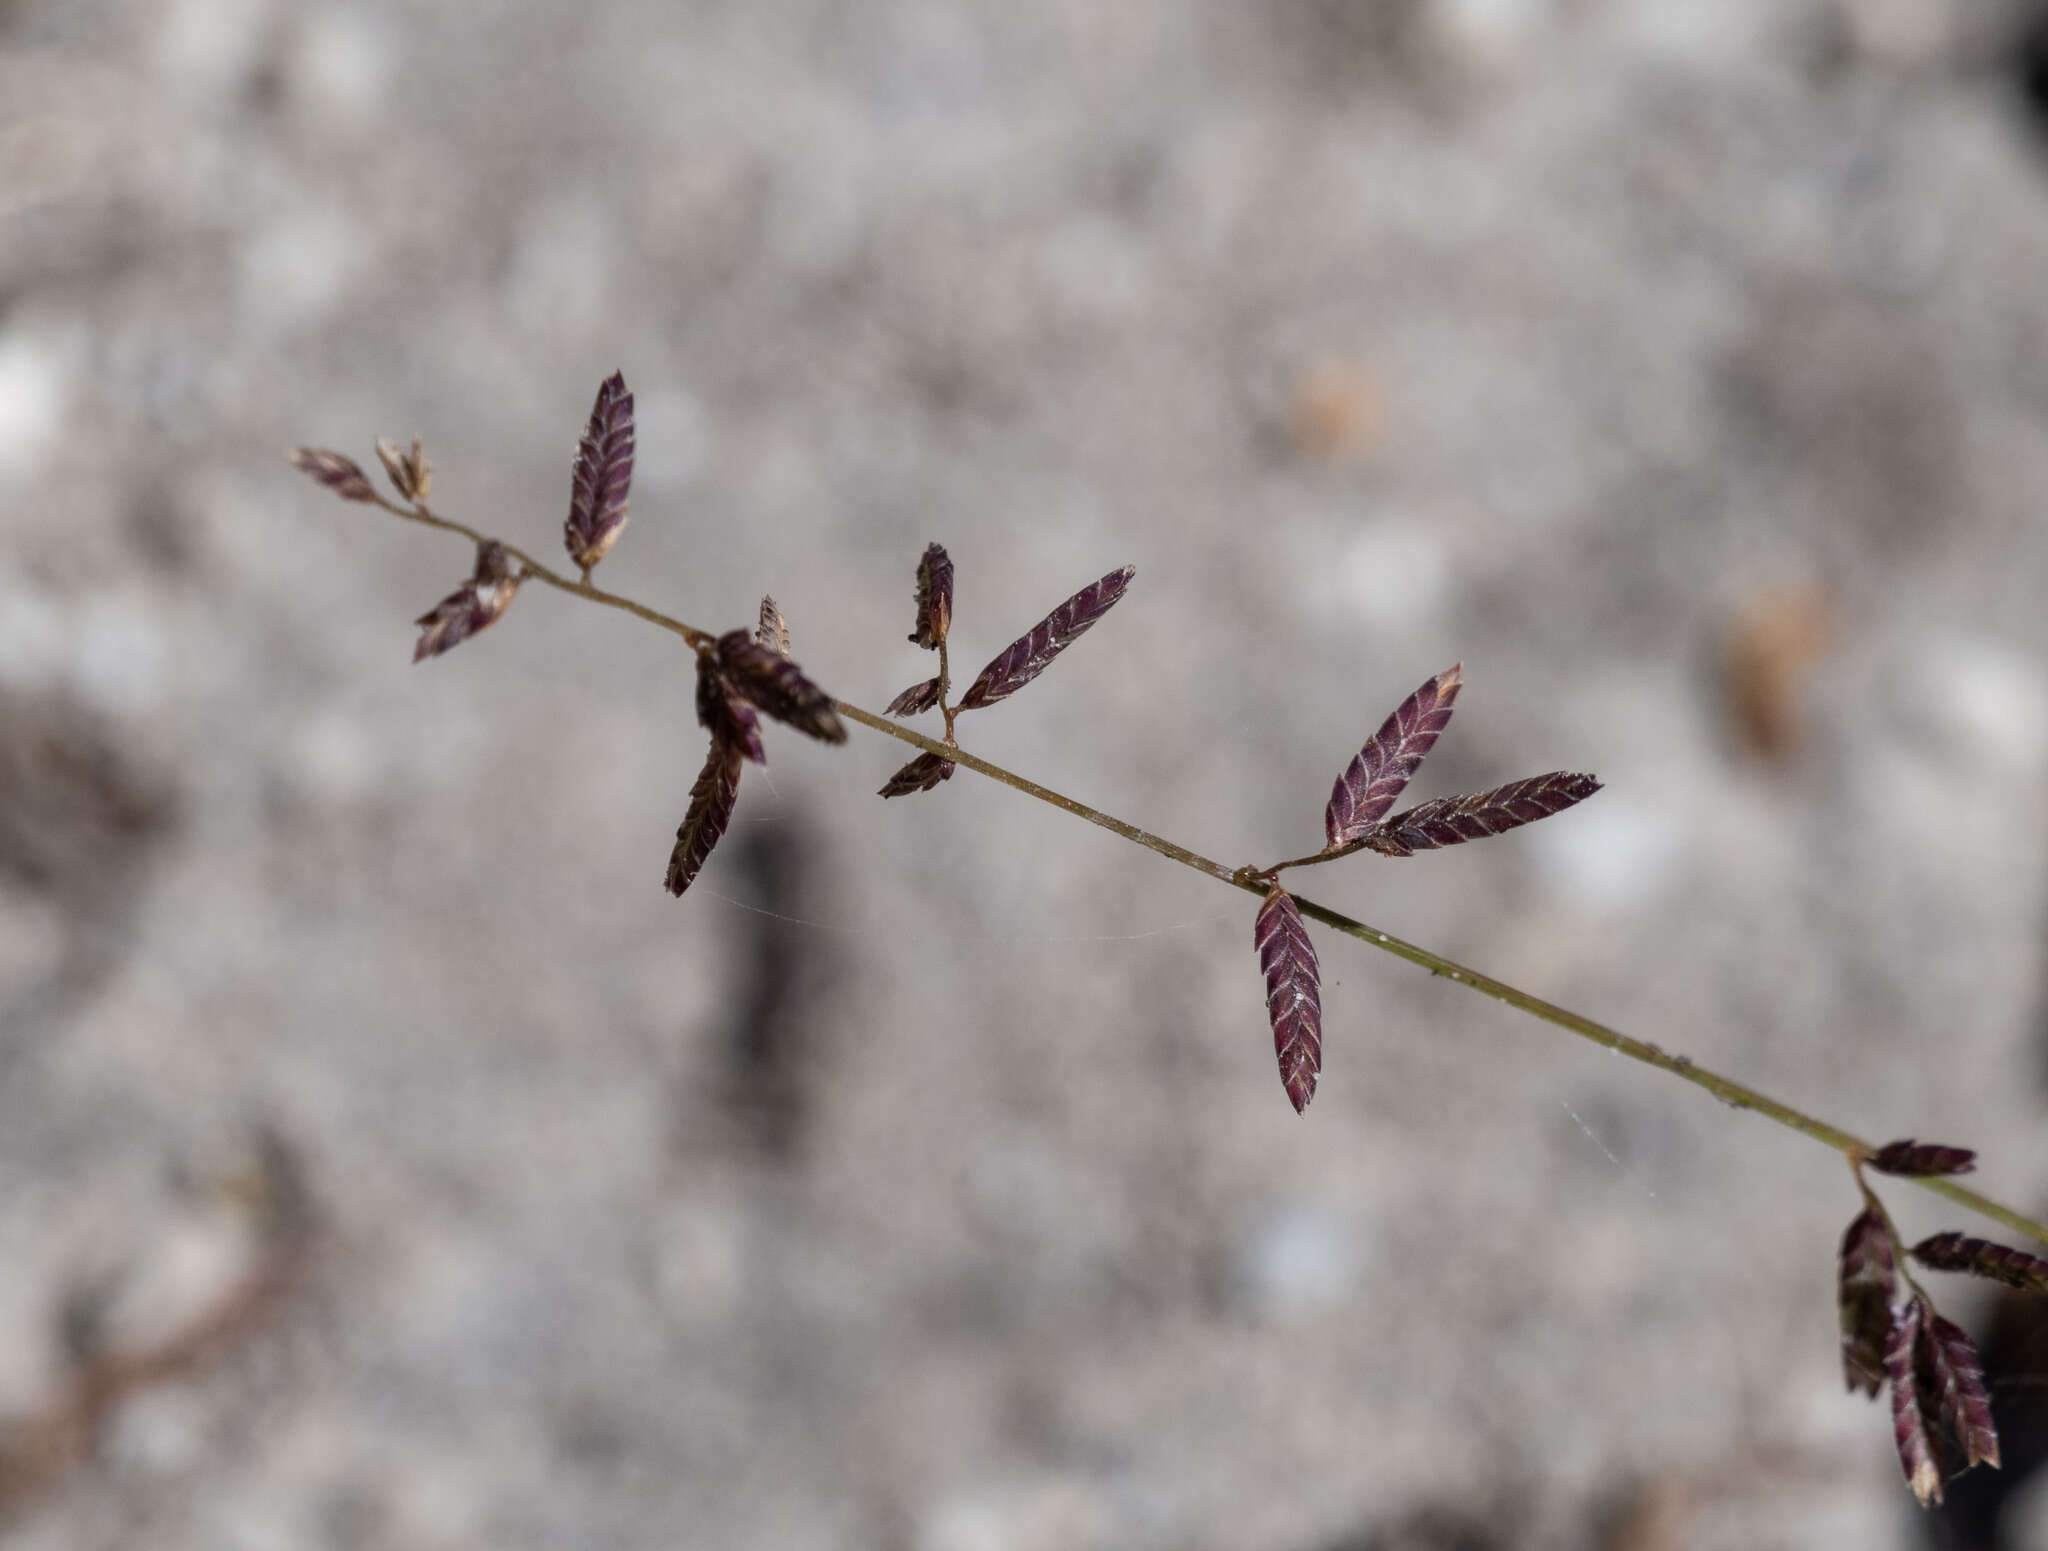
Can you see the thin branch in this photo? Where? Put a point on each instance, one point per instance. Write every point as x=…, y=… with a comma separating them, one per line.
x=1352, y=849
x=949, y=712
x=552, y=577
x=1726, y=1089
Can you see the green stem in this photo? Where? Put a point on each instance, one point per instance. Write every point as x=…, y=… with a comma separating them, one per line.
x=1726, y=1089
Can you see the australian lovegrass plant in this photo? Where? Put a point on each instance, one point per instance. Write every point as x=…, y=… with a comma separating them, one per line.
x=1891, y=1336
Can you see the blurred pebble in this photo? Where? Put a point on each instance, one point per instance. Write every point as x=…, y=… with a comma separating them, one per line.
x=1492, y=33
x=332, y=760
x=296, y=271
x=341, y=68
x=1295, y=1261
x=111, y=649
x=35, y=393
x=1391, y=576
x=209, y=50
x=2024, y=1523
x=1615, y=855
x=34, y=638
x=158, y=1432
x=1977, y=700
x=1901, y=34
x=701, y=1261
x=560, y=281
x=674, y=448
x=1061, y=1515
x=121, y=652
x=32, y=941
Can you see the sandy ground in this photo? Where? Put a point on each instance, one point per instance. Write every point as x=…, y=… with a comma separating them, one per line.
x=921, y=1181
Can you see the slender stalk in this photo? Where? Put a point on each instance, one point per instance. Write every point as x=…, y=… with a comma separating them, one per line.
x=946, y=688
x=1309, y=861
x=540, y=573
x=1900, y=1249
x=1726, y=1089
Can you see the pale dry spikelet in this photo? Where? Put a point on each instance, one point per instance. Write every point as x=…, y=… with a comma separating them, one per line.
x=411, y=475
x=477, y=603
x=337, y=473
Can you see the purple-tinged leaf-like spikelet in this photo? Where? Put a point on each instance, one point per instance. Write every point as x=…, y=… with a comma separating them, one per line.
x=773, y=631
x=1869, y=1280
x=1959, y=1380
x=919, y=697
x=1449, y=821
x=1921, y=1160
x=1294, y=997
x=339, y=474
x=729, y=719
x=1981, y=1257
x=1032, y=653
x=777, y=686
x=1911, y=1433
x=920, y=775
x=934, y=598
x=603, y=476
x=1369, y=785
x=710, y=810
x=478, y=602
x=412, y=476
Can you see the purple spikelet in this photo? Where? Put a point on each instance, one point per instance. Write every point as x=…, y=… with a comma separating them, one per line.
x=603, y=476
x=1033, y=652
x=1294, y=1001
x=1369, y=785
x=1449, y=821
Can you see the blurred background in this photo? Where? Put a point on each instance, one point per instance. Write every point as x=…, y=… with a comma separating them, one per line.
x=386, y=1161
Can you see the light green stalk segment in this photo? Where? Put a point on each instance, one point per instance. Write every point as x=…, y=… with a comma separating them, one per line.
x=1684, y=1067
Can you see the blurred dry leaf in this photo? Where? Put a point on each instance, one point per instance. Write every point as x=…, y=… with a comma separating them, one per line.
x=1335, y=411
x=1772, y=648
x=39, y=1452
x=1665, y=1513
x=77, y=812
